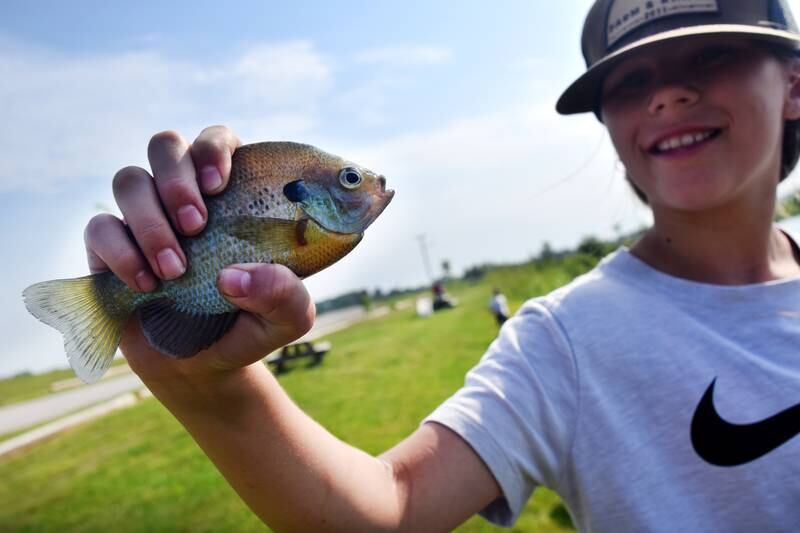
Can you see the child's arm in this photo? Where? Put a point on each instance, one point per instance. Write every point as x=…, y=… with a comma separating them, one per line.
x=298, y=477
x=291, y=471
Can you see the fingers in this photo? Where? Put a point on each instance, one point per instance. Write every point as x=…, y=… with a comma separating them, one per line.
x=153, y=206
x=137, y=198
x=280, y=309
x=176, y=182
x=109, y=247
x=212, y=152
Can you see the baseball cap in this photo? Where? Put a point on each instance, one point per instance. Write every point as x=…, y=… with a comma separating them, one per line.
x=616, y=28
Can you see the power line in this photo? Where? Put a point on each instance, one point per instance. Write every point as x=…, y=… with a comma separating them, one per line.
x=423, y=248
x=576, y=172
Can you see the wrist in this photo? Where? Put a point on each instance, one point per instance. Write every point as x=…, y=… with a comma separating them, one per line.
x=215, y=392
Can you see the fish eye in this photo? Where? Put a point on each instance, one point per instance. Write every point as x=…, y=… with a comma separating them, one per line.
x=350, y=178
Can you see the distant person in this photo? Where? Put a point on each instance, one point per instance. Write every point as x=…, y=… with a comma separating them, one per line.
x=499, y=306
x=441, y=300
x=655, y=393
x=438, y=290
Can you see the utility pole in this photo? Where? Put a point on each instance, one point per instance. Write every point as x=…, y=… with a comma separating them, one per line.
x=423, y=247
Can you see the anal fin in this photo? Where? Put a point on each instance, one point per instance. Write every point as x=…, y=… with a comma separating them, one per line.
x=181, y=334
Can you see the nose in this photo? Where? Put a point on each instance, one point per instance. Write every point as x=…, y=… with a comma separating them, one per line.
x=672, y=97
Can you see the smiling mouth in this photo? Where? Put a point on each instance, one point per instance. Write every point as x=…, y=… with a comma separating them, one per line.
x=683, y=141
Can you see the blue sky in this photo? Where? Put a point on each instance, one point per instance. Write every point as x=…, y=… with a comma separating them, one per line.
x=452, y=101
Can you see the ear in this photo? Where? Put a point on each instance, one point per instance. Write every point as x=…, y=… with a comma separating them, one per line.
x=791, y=109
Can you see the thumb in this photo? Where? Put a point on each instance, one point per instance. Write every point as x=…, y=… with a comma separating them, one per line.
x=281, y=308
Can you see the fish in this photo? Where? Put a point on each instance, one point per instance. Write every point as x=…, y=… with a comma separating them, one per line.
x=286, y=203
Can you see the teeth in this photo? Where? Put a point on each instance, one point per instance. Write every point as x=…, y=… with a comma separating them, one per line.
x=686, y=139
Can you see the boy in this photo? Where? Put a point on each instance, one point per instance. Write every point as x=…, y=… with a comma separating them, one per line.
x=643, y=392
x=498, y=305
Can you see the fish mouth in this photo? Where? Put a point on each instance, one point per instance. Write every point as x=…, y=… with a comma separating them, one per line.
x=384, y=190
x=384, y=197
x=381, y=199
x=348, y=214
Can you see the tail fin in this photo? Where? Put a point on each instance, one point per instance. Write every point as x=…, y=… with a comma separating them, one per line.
x=75, y=308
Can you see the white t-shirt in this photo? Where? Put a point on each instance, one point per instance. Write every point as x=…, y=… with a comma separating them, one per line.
x=592, y=391
x=499, y=304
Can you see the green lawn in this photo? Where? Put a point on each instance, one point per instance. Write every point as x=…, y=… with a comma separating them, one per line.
x=136, y=470
x=28, y=386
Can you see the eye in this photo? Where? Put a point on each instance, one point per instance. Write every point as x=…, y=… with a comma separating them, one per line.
x=712, y=55
x=350, y=178
x=633, y=80
x=626, y=87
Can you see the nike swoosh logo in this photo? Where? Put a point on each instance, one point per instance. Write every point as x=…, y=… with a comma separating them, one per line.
x=724, y=444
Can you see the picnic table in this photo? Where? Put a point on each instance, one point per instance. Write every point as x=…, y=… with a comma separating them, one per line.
x=313, y=350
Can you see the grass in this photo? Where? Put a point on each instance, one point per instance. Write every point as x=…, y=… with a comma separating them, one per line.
x=137, y=470
x=28, y=386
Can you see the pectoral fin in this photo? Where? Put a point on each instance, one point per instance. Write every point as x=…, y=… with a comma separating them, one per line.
x=275, y=236
x=180, y=333
x=302, y=245
x=321, y=248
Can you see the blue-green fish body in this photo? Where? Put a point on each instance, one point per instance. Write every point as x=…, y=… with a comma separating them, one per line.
x=286, y=203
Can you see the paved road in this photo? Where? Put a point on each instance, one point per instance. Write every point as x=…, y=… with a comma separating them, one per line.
x=21, y=415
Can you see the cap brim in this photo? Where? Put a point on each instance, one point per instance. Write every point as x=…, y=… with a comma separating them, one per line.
x=581, y=96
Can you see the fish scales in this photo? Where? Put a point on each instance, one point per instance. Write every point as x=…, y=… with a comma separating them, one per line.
x=286, y=203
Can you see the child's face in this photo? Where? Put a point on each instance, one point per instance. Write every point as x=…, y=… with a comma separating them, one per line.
x=699, y=123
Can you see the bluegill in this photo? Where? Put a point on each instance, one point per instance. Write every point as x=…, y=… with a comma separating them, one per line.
x=286, y=203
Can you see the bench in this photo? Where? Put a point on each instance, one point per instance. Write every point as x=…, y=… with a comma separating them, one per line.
x=315, y=351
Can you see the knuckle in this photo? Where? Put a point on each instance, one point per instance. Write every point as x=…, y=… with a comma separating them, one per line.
x=164, y=138
x=175, y=194
x=217, y=131
x=215, y=141
x=281, y=289
x=127, y=178
x=153, y=231
x=97, y=225
x=306, y=320
x=171, y=183
x=126, y=260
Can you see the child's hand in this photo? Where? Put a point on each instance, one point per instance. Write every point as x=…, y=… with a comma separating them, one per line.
x=154, y=207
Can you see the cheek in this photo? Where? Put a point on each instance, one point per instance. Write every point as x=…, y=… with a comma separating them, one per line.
x=623, y=138
x=758, y=96
x=758, y=125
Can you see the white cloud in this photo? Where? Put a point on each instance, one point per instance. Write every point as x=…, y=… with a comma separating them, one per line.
x=472, y=186
x=486, y=188
x=78, y=116
x=287, y=75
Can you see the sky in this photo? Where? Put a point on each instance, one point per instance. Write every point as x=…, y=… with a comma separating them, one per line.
x=452, y=101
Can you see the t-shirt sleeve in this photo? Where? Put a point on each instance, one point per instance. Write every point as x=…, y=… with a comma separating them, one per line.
x=517, y=408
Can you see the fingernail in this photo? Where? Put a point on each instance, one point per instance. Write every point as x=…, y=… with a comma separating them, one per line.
x=210, y=178
x=190, y=219
x=234, y=282
x=170, y=264
x=145, y=281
